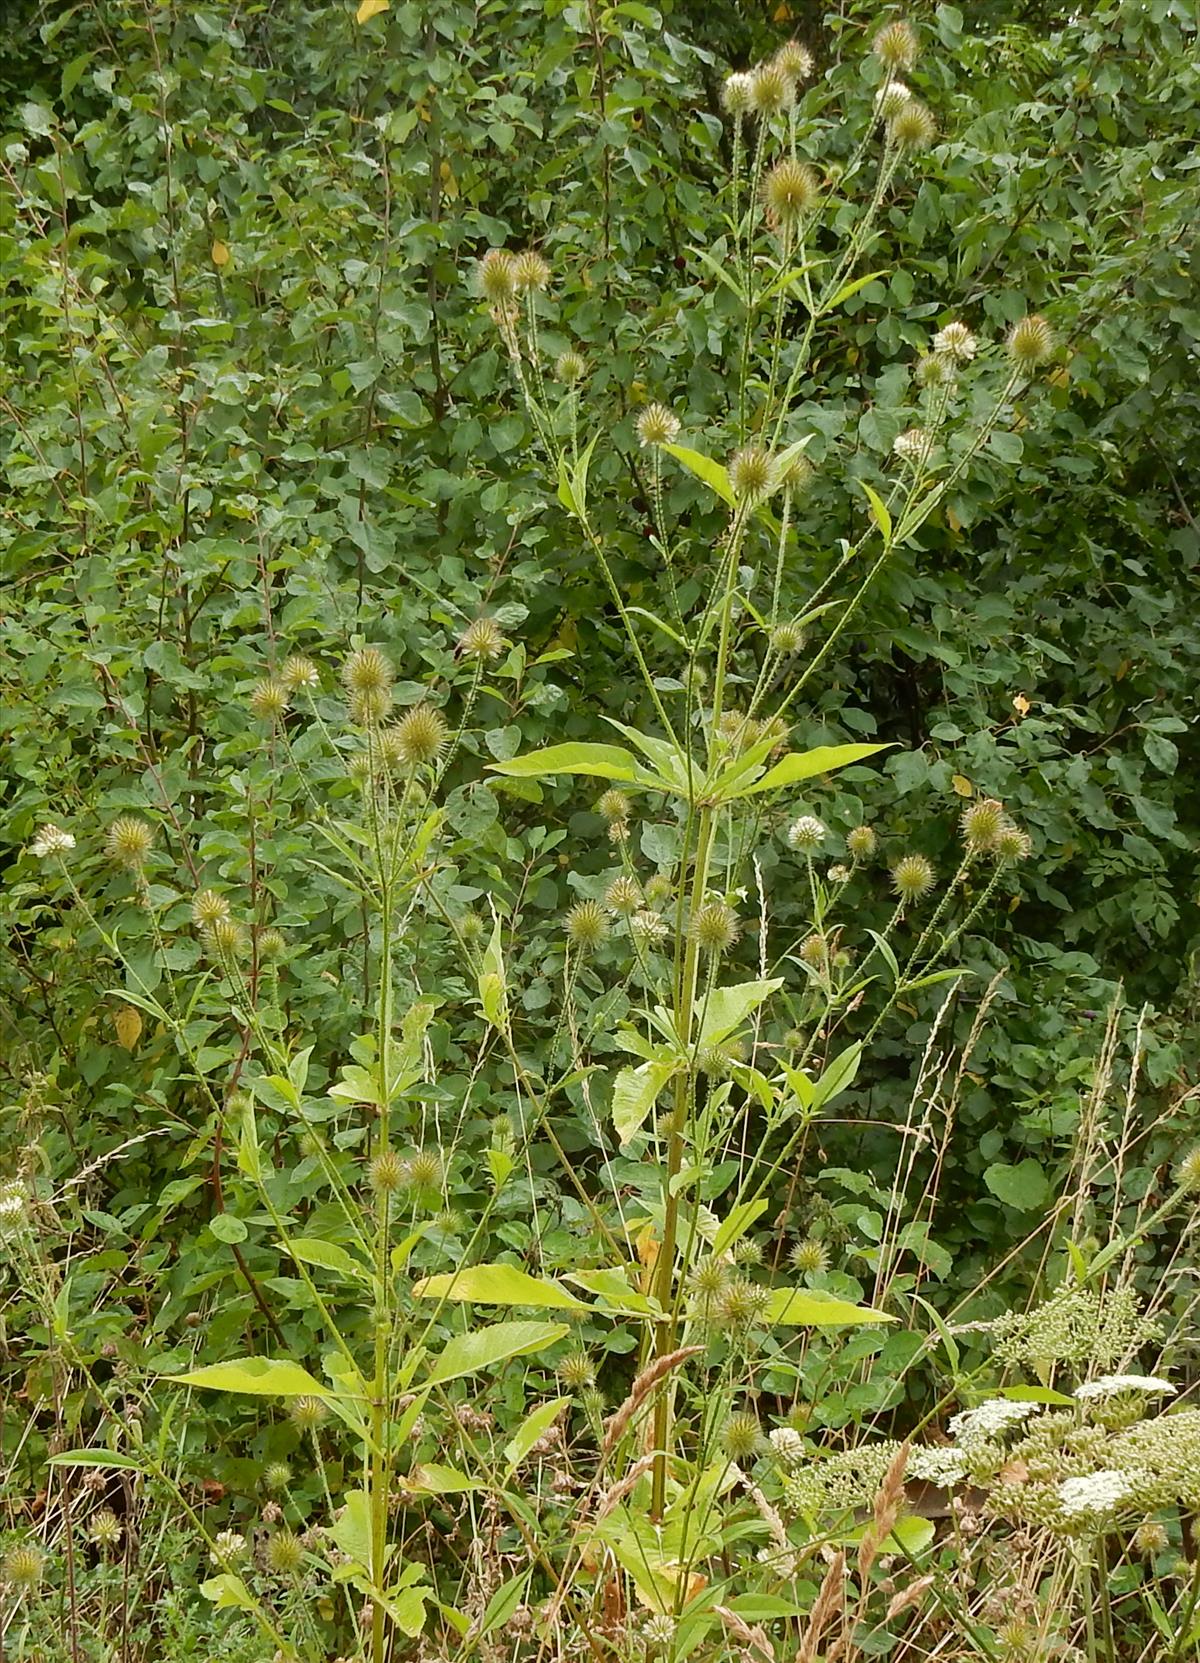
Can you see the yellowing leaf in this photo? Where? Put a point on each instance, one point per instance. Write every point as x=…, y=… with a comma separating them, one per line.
x=962, y=786
x=220, y=253
x=128, y=1023
x=370, y=9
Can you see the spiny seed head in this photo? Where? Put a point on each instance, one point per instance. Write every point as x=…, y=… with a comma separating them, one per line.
x=806, y=834
x=796, y=474
x=284, y=1553
x=838, y=873
x=658, y=889
x=656, y=425
x=814, y=951
x=737, y=94
x=209, y=908
x=307, y=1413
x=741, y=1303
x=367, y=671
x=471, y=927
x=810, y=1256
x=530, y=271
x=623, y=895
x=300, y=674
x=718, y=1061
x=772, y=90
x=890, y=98
x=912, y=127
x=715, y=927
x=269, y=699
x=912, y=877
x=861, y=842
x=709, y=1279
x=425, y=1170
x=982, y=823
x=419, y=736
x=277, y=1476
x=1150, y=1539
x=954, y=340
x=1030, y=341
x=896, y=45
x=787, y=638
x=570, y=367
x=371, y=706
x=1012, y=844
x=129, y=841
x=23, y=1566
x=794, y=60
x=576, y=1372
x=586, y=925
x=613, y=805
x=229, y=938
x=1187, y=1173
x=790, y=190
x=751, y=474
x=358, y=768
x=912, y=446
x=387, y=1172
x=741, y=1437
x=483, y=639
x=747, y=1251
x=105, y=1530
x=933, y=371
x=648, y=928
x=496, y=275
x=271, y=944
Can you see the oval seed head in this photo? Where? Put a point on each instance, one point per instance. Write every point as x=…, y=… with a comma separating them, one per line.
x=741, y=1437
x=419, y=736
x=129, y=842
x=575, y=1371
x=425, y=1170
x=806, y=834
x=796, y=474
x=794, y=60
x=741, y=1303
x=658, y=889
x=613, y=805
x=387, y=1172
x=648, y=928
x=787, y=638
x=618, y=831
x=483, y=639
x=284, y=1553
x=496, y=275
x=1150, y=1539
x=890, y=99
x=737, y=94
x=912, y=877
x=751, y=474
x=955, y=341
x=810, y=1256
x=105, y=1530
x=912, y=446
x=912, y=128
x=772, y=91
x=933, y=370
x=271, y=944
x=269, y=699
x=861, y=842
x=370, y=707
x=358, y=768
x=656, y=425
x=623, y=895
x=229, y=938
x=814, y=951
x=307, y=1413
x=896, y=45
x=300, y=674
x=790, y=190
x=209, y=909
x=23, y=1566
x=586, y=925
x=715, y=927
x=982, y=823
x=367, y=671
x=1012, y=844
x=471, y=927
x=277, y=1476
x=530, y=271
x=1187, y=1173
x=569, y=367
x=1030, y=342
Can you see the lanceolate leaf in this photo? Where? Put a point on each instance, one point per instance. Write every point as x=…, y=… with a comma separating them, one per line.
x=497, y=1285
x=806, y=765
x=258, y=1376
x=802, y=1308
x=712, y=473
x=485, y=1348
x=606, y=762
x=634, y=1094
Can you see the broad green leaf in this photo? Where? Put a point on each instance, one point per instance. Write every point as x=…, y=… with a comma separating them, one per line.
x=351, y=1530
x=228, y=1593
x=806, y=765
x=799, y=1084
x=634, y=1094
x=1024, y=1186
x=431, y=1479
x=735, y=1225
x=493, y=989
x=720, y=273
x=249, y=1160
x=802, y=1308
x=606, y=762
x=726, y=1008
x=504, y=1602
x=260, y=1376
x=498, y=1284
x=612, y=1286
x=326, y=1255
x=704, y=468
x=95, y=1458
x=484, y=1348
x=534, y=1426
x=227, y=1228
x=838, y=1076
x=879, y=511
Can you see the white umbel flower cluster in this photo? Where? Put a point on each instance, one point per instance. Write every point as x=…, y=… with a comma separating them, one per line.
x=989, y=1420
x=1112, y=1385
x=1095, y=1494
